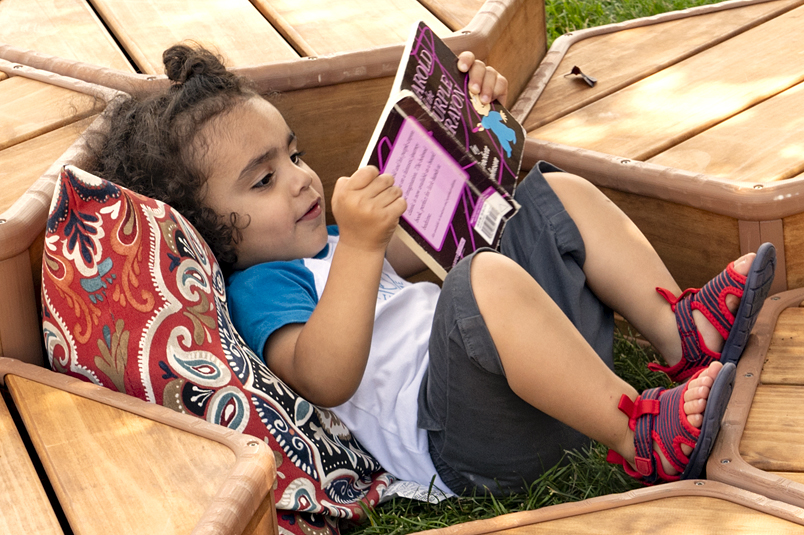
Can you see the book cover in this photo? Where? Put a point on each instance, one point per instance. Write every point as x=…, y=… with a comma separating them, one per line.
x=430, y=70
x=457, y=179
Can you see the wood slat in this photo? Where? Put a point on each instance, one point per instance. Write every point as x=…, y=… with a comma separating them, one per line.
x=23, y=163
x=773, y=439
x=24, y=506
x=669, y=516
x=783, y=362
x=666, y=108
x=455, y=15
x=233, y=27
x=695, y=245
x=621, y=58
x=65, y=28
x=328, y=27
x=793, y=242
x=762, y=144
x=116, y=472
x=30, y=108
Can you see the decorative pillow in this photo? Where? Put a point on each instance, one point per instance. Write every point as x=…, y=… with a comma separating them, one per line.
x=134, y=300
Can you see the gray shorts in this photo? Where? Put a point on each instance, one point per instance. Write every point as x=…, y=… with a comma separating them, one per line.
x=481, y=434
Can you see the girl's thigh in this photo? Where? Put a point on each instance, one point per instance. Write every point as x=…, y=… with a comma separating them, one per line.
x=482, y=435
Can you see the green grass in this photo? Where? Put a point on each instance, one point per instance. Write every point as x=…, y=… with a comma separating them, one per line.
x=565, y=16
x=585, y=474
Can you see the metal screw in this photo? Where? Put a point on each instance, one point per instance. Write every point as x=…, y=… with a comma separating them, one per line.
x=725, y=461
x=312, y=57
x=252, y=443
x=700, y=483
x=466, y=32
x=749, y=374
x=151, y=78
x=775, y=298
x=625, y=161
x=17, y=67
x=2, y=221
x=758, y=186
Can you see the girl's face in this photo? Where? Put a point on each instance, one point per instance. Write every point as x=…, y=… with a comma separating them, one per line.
x=256, y=171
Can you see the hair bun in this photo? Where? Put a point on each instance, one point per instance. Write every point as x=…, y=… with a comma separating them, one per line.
x=183, y=62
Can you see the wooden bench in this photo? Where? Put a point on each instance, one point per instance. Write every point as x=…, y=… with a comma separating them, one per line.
x=761, y=446
x=120, y=465
x=318, y=89
x=690, y=128
x=681, y=507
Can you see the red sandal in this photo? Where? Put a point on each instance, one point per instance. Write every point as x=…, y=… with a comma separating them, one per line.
x=711, y=302
x=658, y=416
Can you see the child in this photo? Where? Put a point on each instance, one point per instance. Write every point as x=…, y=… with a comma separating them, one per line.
x=482, y=384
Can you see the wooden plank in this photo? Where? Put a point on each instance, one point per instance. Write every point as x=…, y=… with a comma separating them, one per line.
x=24, y=506
x=521, y=47
x=23, y=163
x=163, y=478
x=232, y=27
x=669, y=516
x=455, y=15
x=793, y=243
x=773, y=439
x=663, y=110
x=65, y=28
x=328, y=27
x=694, y=244
x=619, y=59
x=30, y=108
x=783, y=362
x=762, y=144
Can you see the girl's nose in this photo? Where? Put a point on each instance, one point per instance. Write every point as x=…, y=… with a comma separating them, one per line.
x=302, y=179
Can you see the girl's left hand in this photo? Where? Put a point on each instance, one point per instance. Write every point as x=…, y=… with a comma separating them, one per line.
x=483, y=80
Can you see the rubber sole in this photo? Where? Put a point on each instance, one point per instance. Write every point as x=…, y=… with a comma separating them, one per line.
x=757, y=287
x=719, y=396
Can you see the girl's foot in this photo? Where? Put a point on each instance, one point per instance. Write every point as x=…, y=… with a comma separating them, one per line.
x=714, y=322
x=671, y=432
x=710, y=335
x=695, y=398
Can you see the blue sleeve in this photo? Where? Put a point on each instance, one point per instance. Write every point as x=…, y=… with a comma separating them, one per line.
x=268, y=296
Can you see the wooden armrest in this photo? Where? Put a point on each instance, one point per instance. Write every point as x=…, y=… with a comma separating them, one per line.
x=120, y=465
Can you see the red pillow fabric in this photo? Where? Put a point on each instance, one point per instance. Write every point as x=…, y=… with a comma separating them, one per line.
x=134, y=300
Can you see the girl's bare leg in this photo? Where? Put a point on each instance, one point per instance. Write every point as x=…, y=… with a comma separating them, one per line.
x=623, y=269
x=549, y=364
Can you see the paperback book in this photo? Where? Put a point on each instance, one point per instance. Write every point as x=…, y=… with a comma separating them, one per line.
x=456, y=159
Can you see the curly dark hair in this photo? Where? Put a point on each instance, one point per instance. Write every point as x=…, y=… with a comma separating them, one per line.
x=147, y=144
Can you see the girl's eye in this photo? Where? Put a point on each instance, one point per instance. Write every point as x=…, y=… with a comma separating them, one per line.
x=296, y=157
x=264, y=181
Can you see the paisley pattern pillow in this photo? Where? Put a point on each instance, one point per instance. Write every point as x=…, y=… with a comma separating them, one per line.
x=134, y=300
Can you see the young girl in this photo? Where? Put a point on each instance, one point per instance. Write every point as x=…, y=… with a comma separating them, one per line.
x=482, y=384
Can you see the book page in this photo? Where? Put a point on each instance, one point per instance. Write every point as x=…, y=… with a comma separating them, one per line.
x=430, y=179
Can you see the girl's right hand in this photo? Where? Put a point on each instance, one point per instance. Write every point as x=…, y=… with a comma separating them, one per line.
x=367, y=207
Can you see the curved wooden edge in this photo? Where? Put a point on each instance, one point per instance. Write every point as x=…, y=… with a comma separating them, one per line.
x=479, y=36
x=725, y=462
x=744, y=201
x=703, y=488
x=562, y=44
x=246, y=489
x=24, y=220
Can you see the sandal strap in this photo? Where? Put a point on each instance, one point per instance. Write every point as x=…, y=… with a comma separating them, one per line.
x=711, y=302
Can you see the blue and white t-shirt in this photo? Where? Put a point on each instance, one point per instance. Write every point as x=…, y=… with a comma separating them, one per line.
x=382, y=413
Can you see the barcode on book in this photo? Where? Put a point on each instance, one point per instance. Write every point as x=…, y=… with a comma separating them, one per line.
x=492, y=208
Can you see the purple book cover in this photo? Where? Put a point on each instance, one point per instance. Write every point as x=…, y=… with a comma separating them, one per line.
x=454, y=208
x=488, y=132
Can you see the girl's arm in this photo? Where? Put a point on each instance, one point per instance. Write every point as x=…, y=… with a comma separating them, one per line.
x=324, y=359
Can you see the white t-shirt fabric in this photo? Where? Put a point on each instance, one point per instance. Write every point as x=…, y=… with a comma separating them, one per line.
x=382, y=414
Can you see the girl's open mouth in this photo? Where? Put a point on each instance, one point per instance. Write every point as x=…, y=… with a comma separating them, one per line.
x=313, y=212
